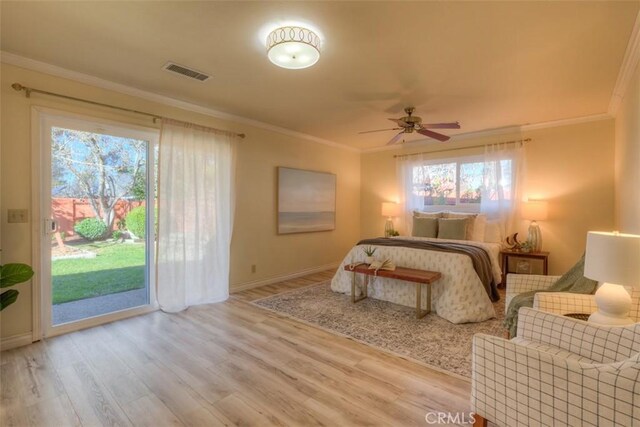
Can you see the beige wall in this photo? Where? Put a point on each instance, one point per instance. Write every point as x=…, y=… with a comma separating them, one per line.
x=627, y=159
x=254, y=239
x=570, y=166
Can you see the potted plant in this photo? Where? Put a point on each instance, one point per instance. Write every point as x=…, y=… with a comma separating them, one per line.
x=369, y=251
x=10, y=275
x=527, y=246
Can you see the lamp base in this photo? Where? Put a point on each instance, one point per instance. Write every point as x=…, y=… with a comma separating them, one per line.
x=535, y=237
x=613, y=303
x=388, y=227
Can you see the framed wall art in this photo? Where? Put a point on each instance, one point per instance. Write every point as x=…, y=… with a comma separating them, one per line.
x=306, y=201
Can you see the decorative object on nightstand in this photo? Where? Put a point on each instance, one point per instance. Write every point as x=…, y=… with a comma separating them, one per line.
x=535, y=210
x=390, y=210
x=518, y=262
x=614, y=259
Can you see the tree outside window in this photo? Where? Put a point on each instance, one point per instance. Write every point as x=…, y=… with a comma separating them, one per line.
x=102, y=169
x=461, y=183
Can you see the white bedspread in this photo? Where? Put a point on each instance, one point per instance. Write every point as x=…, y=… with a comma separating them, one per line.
x=458, y=296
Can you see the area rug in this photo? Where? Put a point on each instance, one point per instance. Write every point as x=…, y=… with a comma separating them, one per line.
x=390, y=327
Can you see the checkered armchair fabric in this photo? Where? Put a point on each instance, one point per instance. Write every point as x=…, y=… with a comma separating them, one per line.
x=558, y=372
x=519, y=283
x=565, y=302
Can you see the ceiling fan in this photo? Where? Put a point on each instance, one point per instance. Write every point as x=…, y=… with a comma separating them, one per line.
x=410, y=124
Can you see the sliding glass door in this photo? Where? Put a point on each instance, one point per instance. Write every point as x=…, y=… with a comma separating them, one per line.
x=98, y=213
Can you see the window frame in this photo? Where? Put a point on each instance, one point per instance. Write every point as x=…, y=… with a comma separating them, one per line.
x=43, y=119
x=459, y=161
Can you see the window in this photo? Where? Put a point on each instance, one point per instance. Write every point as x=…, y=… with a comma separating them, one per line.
x=97, y=196
x=461, y=182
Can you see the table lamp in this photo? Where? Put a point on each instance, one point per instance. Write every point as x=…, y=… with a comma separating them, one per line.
x=614, y=259
x=390, y=210
x=535, y=210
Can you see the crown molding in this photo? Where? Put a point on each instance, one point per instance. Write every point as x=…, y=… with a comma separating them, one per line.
x=485, y=133
x=629, y=64
x=54, y=70
x=633, y=51
x=565, y=122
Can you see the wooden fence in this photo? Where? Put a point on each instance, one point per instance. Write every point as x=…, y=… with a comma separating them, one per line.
x=69, y=211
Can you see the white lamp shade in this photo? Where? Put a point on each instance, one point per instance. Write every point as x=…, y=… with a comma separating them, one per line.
x=613, y=258
x=535, y=210
x=390, y=209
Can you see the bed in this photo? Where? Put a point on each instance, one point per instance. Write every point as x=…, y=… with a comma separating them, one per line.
x=459, y=296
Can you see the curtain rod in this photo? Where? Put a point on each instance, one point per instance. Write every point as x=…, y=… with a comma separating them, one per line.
x=461, y=148
x=29, y=90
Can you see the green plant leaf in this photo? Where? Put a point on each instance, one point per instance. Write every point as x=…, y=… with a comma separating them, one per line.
x=7, y=298
x=12, y=274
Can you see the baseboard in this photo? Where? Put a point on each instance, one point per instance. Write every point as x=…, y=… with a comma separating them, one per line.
x=262, y=282
x=15, y=341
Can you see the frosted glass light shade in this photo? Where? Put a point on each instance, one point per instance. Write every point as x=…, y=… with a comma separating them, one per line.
x=613, y=258
x=390, y=209
x=535, y=210
x=293, y=47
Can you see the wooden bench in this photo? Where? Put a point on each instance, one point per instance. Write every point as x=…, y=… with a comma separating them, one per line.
x=419, y=277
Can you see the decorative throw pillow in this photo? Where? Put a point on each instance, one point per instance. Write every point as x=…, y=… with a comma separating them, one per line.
x=455, y=229
x=471, y=217
x=425, y=227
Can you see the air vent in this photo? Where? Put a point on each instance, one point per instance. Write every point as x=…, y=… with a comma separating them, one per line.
x=186, y=72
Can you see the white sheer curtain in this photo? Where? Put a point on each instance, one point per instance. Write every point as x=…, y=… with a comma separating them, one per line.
x=501, y=190
x=503, y=184
x=408, y=198
x=195, y=215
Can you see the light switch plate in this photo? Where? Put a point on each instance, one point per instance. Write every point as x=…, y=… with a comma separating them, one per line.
x=17, y=215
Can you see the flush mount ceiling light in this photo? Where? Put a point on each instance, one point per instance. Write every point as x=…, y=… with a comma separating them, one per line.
x=293, y=47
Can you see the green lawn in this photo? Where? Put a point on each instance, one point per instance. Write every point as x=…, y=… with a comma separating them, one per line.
x=118, y=267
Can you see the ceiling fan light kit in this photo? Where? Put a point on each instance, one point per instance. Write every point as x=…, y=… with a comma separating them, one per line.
x=293, y=47
x=411, y=123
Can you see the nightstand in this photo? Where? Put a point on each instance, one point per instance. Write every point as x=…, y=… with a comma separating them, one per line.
x=518, y=262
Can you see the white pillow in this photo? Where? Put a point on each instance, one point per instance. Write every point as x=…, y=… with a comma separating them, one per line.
x=492, y=232
x=421, y=214
x=479, y=228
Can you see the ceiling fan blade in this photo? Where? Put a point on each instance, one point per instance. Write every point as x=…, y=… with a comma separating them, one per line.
x=401, y=123
x=434, y=135
x=395, y=138
x=453, y=125
x=379, y=130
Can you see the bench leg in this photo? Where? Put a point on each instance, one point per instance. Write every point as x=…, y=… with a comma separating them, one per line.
x=353, y=288
x=419, y=312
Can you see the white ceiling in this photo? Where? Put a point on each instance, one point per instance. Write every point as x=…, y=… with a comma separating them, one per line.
x=485, y=64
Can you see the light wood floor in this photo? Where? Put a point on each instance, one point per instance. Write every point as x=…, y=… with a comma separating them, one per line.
x=222, y=364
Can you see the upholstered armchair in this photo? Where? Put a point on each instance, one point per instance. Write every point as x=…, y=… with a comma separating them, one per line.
x=519, y=283
x=558, y=371
x=560, y=302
